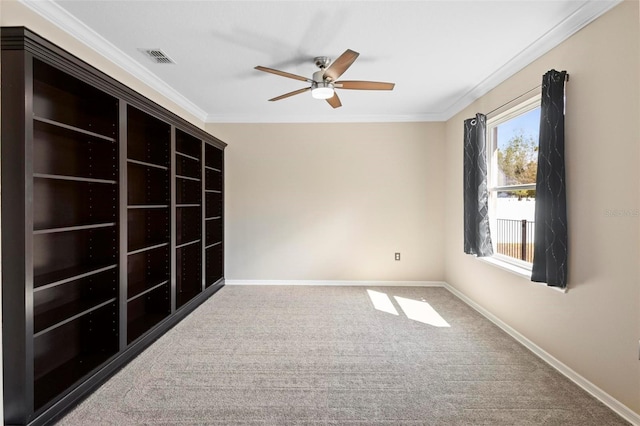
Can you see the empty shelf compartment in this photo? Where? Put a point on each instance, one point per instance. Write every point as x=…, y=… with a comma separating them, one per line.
x=148, y=138
x=63, y=256
x=67, y=353
x=214, y=157
x=188, y=273
x=147, y=269
x=147, y=185
x=188, y=145
x=214, y=231
x=58, y=151
x=146, y=311
x=61, y=98
x=214, y=266
x=188, y=224
x=58, y=304
x=65, y=203
x=188, y=192
x=147, y=228
x=214, y=204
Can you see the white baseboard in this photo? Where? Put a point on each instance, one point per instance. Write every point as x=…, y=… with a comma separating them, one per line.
x=621, y=409
x=338, y=283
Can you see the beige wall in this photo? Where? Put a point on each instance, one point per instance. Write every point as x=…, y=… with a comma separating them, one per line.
x=334, y=201
x=16, y=14
x=594, y=328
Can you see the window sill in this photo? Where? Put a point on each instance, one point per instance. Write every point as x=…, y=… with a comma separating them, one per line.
x=516, y=270
x=509, y=267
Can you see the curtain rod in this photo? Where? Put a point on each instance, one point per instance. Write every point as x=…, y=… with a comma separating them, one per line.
x=518, y=97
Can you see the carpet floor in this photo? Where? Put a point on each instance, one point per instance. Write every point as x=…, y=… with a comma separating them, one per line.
x=278, y=355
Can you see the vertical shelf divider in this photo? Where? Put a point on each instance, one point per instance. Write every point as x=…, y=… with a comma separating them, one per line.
x=172, y=182
x=203, y=214
x=123, y=227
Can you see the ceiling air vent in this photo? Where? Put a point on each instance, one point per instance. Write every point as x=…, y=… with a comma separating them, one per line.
x=157, y=56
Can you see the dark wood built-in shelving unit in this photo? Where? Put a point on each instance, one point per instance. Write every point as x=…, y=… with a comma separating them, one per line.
x=148, y=295
x=188, y=186
x=213, y=217
x=112, y=225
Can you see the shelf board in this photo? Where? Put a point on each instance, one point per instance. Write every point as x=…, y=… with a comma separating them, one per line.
x=72, y=128
x=73, y=228
x=73, y=178
x=143, y=249
x=148, y=206
x=188, y=205
x=188, y=178
x=215, y=191
x=52, y=279
x=179, y=246
x=213, y=218
x=74, y=317
x=60, y=315
x=148, y=290
x=190, y=157
x=212, y=169
x=213, y=245
x=144, y=163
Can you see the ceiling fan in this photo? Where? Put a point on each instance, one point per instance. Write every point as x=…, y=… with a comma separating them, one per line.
x=325, y=81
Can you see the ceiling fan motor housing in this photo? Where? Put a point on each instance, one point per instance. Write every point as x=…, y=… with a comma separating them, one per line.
x=318, y=76
x=322, y=61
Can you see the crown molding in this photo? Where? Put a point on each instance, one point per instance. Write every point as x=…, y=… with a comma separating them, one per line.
x=324, y=118
x=580, y=18
x=57, y=15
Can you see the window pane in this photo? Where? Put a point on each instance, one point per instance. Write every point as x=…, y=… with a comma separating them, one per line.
x=514, y=224
x=517, y=148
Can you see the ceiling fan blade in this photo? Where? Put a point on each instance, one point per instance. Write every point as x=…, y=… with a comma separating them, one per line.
x=286, y=95
x=364, y=85
x=334, y=101
x=282, y=73
x=341, y=64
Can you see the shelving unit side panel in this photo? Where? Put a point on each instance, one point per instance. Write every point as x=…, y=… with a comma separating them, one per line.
x=223, y=219
x=17, y=225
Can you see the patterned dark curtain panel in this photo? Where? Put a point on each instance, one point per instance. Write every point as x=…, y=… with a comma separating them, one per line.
x=477, y=237
x=550, y=245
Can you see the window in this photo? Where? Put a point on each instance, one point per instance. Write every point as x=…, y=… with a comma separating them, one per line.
x=512, y=156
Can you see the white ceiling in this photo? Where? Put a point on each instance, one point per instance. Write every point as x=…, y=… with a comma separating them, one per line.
x=442, y=55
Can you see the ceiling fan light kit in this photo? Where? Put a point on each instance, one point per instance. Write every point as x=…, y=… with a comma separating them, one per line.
x=324, y=81
x=322, y=90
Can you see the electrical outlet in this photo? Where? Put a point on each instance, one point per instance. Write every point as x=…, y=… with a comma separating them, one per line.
x=397, y=256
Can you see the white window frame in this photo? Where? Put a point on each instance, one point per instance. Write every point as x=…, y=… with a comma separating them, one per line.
x=492, y=175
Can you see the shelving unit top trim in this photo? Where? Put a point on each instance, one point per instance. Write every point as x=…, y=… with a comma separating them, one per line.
x=22, y=38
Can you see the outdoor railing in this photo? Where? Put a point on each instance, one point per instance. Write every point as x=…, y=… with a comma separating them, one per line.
x=515, y=238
